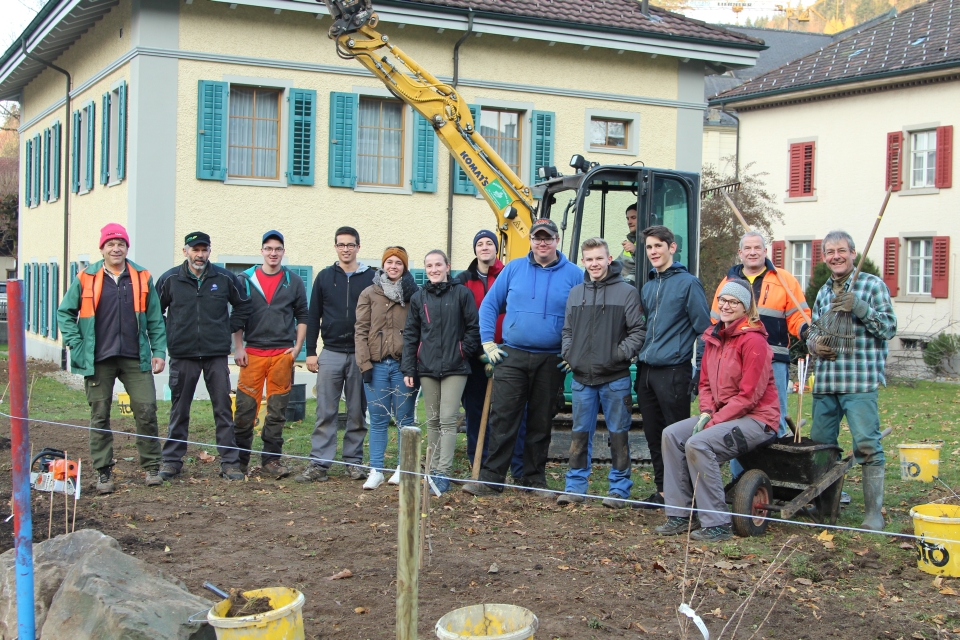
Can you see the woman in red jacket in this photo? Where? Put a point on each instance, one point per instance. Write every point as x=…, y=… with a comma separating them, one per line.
x=739, y=409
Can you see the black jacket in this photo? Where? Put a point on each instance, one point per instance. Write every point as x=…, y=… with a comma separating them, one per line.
x=117, y=329
x=274, y=325
x=334, y=302
x=198, y=312
x=442, y=331
x=603, y=328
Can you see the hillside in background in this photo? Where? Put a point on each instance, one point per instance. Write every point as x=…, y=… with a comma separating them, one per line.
x=829, y=16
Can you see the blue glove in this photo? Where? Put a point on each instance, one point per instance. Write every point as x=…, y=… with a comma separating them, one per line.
x=564, y=366
x=493, y=352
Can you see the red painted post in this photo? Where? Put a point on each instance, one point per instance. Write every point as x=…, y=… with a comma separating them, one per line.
x=20, y=451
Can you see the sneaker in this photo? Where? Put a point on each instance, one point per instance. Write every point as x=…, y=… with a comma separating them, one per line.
x=540, y=490
x=442, y=483
x=713, y=534
x=275, y=469
x=105, y=481
x=153, y=478
x=313, y=473
x=374, y=480
x=169, y=471
x=654, y=501
x=479, y=489
x=676, y=525
x=844, y=497
x=228, y=471
x=395, y=478
x=613, y=501
x=569, y=498
x=356, y=473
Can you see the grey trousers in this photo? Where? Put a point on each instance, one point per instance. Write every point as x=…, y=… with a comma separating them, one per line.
x=441, y=400
x=184, y=376
x=338, y=373
x=687, y=457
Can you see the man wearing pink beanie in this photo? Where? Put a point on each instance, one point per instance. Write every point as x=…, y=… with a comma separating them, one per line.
x=110, y=319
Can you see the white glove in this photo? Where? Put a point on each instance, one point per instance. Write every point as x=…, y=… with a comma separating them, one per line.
x=494, y=353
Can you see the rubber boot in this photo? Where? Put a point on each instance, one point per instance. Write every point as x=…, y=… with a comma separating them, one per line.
x=872, y=497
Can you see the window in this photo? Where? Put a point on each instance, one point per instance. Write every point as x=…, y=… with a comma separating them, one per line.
x=501, y=129
x=801, y=177
x=802, y=263
x=923, y=159
x=82, y=149
x=254, y=146
x=113, y=134
x=608, y=133
x=380, y=142
x=919, y=266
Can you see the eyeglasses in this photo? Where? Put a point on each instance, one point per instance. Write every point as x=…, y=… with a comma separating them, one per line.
x=272, y=249
x=728, y=302
x=350, y=246
x=542, y=240
x=836, y=252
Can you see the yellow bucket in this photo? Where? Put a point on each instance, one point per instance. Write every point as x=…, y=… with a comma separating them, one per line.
x=285, y=622
x=500, y=621
x=123, y=400
x=919, y=461
x=940, y=555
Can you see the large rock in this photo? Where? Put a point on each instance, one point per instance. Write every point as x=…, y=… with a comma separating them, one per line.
x=51, y=561
x=108, y=595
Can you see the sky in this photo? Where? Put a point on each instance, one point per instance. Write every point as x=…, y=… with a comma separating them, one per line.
x=17, y=14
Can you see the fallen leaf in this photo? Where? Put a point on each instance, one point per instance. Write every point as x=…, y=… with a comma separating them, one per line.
x=881, y=590
x=829, y=545
x=640, y=627
x=637, y=567
x=947, y=591
x=896, y=599
x=721, y=590
x=206, y=457
x=863, y=552
x=290, y=524
x=361, y=610
x=657, y=566
x=563, y=567
x=520, y=533
x=938, y=582
x=803, y=581
x=132, y=526
x=723, y=565
x=493, y=568
x=824, y=536
x=346, y=573
x=166, y=549
x=906, y=545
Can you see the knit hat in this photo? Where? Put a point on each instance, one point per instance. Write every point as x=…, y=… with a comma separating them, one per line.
x=740, y=290
x=398, y=252
x=113, y=231
x=485, y=233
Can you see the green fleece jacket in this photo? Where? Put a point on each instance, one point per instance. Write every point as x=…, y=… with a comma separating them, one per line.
x=79, y=333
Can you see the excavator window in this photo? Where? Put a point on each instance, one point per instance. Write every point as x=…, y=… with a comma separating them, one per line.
x=670, y=207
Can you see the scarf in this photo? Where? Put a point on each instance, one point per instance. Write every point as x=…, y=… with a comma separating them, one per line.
x=392, y=290
x=839, y=284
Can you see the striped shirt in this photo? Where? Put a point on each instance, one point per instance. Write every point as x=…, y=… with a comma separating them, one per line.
x=862, y=369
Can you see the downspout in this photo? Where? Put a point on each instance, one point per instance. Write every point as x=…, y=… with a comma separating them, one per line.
x=453, y=163
x=65, y=185
x=736, y=156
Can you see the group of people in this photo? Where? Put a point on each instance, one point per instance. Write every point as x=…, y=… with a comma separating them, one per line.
x=526, y=325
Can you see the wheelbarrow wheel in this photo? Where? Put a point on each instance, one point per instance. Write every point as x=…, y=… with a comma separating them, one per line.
x=753, y=491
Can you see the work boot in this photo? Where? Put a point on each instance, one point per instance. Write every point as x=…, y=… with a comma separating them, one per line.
x=313, y=473
x=355, y=472
x=676, y=525
x=228, y=471
x=153, y=478
x=105, y=481
x=169, y=471
x=569, y=498
x=872, y=497
x=614, y=501
x=275, y=468
x=479, y=489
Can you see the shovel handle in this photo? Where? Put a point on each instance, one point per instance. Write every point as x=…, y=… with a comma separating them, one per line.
x=217, y=590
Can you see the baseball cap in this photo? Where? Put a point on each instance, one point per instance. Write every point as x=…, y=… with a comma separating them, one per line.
x=195, y=238
x=544, y=224
x=273, y=233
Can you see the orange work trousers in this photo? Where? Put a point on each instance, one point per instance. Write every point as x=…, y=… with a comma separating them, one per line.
x=277, y=372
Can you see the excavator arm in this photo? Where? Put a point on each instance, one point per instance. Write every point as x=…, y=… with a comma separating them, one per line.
x=444, y=108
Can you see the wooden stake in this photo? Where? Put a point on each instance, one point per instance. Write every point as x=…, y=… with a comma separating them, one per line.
x=4, y=396
x=425, y=505
x=407, y=534
x=66, y=503
x=481, y=436
x=73, y=527
x=800, y=374
x=50, y=517
x=30, y=393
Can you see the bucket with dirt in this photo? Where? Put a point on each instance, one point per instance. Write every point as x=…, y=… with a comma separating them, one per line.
x=920, y=461
x=938, y=543
x=500, y=621
x=279, y=618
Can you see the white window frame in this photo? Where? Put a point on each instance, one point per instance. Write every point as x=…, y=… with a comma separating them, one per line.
x=807, y=259
x=918, y=260
x=38, y=168
x=632, y=120
x=816, y=170
x=82, y=150
x=524, y=110
x=284, y=87
x=405, y=187
x=914, y=158
x=113, y=121
x=907, y=188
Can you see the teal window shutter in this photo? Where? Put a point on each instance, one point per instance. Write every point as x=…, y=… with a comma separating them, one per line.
x=26, y=295
x=306, y=274
x=45, y=171
x=44, y=289
x=91, y=131
x=342, y=163
x=424, y=156
x=74, y=270
x=37, y=166
x=212, y=130
x=28, y=173
x=419, y=276
x=302, y=132
x=75, y=154
x=54, y=298
x=55, y=159
x=541, y=153
x=120, y=167
x=34, y=296
x=105, y=138
x=462, y=184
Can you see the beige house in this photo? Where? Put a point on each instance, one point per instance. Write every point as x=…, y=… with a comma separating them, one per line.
x=835, y=128
x=235, y=117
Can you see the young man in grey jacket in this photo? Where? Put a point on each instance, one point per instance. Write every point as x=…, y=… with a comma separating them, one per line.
x=603, y=330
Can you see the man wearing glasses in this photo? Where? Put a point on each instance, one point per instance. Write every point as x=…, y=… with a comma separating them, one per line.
x=533, y=294
x=333, y=314
x=274, y=335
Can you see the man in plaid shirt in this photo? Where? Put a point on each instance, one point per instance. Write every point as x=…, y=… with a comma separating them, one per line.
x=846, y=383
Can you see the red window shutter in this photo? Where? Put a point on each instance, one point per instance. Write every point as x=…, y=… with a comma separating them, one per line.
x=806, y=183
x=944, y=177
x=795, y=176
x=894, y=160
x=940, y=285
x=779, y=249
x=891, y=262
x=816, y=254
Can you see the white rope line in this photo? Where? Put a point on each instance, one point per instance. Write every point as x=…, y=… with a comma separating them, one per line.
x=833, y=527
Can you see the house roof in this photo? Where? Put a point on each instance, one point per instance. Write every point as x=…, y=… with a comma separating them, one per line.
x=923, y=38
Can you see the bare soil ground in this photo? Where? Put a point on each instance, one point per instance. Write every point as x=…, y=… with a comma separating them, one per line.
x=585, y=571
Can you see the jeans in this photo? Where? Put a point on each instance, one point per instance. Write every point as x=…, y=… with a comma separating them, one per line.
x=441, y=403
x=277, y=373
x=387, y=396
x=338, y=374
x=781, y=377
x=863, y=417
x=614, y=398
x=472, y=400
x=663, y=395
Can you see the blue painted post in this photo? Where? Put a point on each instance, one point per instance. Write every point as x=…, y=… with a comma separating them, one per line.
x=20, y=451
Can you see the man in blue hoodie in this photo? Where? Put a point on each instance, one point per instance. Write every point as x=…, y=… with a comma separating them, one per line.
x=533, y=293
x=677, y=312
